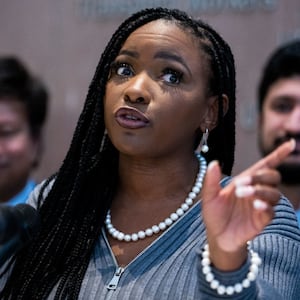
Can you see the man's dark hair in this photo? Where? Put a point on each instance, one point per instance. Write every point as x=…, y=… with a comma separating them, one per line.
x=17, y=83
x=284, y=62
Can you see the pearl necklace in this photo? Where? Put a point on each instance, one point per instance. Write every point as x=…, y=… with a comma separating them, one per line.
x=168, y=221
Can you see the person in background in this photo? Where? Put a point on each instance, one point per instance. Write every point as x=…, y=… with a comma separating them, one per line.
x=134, y=212
x=23, y=111
x=279, y=114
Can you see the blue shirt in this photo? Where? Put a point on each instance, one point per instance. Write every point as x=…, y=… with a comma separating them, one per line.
x=23, y=195
x=298, y=216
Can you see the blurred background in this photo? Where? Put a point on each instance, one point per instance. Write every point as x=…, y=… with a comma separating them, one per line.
x=62, y=40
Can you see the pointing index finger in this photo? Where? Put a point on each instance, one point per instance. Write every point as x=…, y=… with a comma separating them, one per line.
x=276, y=157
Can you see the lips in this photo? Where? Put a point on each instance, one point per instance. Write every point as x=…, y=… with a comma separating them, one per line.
x=131, y=118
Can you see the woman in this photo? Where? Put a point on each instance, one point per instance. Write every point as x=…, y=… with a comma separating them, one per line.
x=126, y=217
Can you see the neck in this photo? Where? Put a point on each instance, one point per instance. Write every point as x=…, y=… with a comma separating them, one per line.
x=152, y=180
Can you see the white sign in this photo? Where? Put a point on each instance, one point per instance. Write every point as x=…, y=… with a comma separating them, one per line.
x=110, y=8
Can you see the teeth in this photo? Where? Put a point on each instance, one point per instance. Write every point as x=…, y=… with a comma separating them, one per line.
x=131, y=117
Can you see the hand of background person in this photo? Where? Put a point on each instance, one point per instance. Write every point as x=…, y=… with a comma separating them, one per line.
x=237, y=213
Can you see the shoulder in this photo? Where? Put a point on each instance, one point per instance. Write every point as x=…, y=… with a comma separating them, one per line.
x=40, y=192
x=285, y=220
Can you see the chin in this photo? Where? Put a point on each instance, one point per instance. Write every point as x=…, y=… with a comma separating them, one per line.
x=290, y=173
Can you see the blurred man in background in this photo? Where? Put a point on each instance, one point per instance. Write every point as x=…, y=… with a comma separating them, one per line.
x=23, y=110
x=279, y=114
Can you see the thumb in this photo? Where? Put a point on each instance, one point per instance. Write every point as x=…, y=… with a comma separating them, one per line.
x=211, y=187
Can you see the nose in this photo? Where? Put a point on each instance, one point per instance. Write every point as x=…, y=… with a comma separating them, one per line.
x=138, y=89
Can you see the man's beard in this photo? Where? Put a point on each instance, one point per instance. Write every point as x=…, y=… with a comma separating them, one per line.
x=290, y=173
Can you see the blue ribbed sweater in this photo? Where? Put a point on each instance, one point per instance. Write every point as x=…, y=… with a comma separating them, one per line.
x=170, y=267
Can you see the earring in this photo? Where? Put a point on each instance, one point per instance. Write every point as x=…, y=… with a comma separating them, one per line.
x=203, y=147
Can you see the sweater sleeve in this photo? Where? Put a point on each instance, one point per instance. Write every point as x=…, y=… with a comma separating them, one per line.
x=279, y=275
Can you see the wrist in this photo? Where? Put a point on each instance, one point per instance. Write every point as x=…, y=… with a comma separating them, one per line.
x=227, y=260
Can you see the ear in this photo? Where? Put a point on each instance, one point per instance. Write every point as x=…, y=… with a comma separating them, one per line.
x=210, y=121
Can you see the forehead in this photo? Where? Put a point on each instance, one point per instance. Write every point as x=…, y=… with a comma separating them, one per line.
x=285, y=87
x=164, y=33
x=11, y=108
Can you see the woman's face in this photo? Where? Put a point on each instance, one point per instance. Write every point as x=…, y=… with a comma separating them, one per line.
x=156, y=95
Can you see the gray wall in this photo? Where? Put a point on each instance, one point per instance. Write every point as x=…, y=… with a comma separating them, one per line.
x=62, y=41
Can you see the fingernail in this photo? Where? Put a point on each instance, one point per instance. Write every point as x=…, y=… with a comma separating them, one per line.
x=242, y=181
x=293, y=144
x=212, y=164
x=244, y=191
x=259, y=204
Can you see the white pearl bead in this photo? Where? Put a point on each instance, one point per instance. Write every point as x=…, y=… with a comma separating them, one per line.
x=127, y=238
x=206, y=269
x=111, y=230
x=229, y=290
x=214, y=284
x=184, y=207
x=238, y=287
x=189, y=201
x=168, y=221
x=205, y=261
x=179, y=212
x=196, y=190
x=256, y=260
x=134, y=237
x=155, y=229
x=205, y=254
x=209, y=277
x=162, y=226
x=246, y=283
x=199, y=185
x=204, y=149
x=174, y=217
x=109, y=226
x=149, y=232
x=221, y=290
x=192, y=195
x=120, y=236
x=254, y=269
x=141, y=234
x=251, y=276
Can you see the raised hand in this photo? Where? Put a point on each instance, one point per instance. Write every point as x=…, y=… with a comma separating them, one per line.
x=237, y=213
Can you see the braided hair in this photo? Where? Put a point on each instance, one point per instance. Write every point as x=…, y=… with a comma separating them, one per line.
x=73, y=212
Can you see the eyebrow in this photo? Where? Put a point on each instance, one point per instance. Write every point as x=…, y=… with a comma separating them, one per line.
x=173, y=57
x=131, y=53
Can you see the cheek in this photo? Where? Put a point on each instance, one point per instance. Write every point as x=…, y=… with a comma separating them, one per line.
x=22, y=149
x=273, y=123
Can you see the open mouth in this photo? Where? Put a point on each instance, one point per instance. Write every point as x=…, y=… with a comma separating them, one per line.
x=131, y=118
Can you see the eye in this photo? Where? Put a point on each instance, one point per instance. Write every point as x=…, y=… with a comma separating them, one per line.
x=171, y=76
x=282, y=107
x=122, y=69
x=8, y=132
